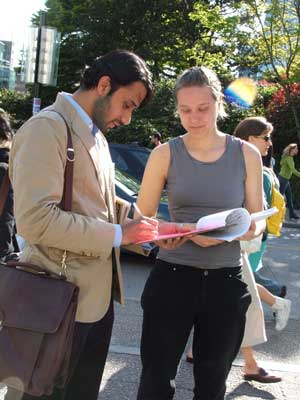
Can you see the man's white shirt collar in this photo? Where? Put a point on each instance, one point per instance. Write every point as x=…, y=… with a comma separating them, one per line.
x=82, y=114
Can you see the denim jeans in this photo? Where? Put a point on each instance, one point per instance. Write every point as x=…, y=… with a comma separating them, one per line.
x=273, y=286
x=176, y=298
x=285, y=190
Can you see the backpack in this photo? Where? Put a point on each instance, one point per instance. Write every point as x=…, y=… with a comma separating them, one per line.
x=274, y=223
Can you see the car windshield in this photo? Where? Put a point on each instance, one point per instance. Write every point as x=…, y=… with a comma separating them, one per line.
x=142, y=156
x=128, y=181
x=133, y=184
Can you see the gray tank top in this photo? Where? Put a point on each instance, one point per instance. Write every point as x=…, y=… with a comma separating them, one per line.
x=196, y=189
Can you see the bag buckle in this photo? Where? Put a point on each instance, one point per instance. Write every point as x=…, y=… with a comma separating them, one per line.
x=70, y=154
x=63, y=264
x=1, y=320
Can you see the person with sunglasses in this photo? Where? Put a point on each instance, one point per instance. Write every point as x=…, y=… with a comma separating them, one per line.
x=257, y=131
x=287, y=169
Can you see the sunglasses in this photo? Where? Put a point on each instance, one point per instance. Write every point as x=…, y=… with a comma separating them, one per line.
x=266, y=138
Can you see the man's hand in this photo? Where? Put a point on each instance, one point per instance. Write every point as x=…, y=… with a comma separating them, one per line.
x=170, y=228
x=204, y=241
x=139, y=230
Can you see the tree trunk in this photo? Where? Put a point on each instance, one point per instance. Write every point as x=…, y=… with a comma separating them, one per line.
x=294, y=111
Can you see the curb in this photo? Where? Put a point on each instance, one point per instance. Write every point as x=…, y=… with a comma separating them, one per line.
x=294, y=225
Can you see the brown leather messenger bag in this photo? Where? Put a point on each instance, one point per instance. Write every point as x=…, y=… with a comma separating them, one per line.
x=37, y=317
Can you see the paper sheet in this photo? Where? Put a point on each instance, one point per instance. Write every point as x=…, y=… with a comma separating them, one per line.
x=226, y=225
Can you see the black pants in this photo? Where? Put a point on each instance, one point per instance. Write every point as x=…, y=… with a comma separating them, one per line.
x=89, y=352
x=285, y=190
x=175, y=299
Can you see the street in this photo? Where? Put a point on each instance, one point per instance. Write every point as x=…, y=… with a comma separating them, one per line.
x=280, y=354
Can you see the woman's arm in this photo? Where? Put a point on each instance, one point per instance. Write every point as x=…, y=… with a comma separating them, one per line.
x=290, y=163
x=267, y=185
x=154, y=179
x=253, y=188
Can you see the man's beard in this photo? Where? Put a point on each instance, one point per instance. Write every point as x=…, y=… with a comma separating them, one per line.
x=100, y=111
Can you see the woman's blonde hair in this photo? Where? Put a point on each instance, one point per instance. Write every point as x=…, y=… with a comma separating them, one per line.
x=287, y=150
x=202, y=76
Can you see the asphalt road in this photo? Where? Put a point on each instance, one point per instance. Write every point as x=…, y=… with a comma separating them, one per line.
x=280, y=354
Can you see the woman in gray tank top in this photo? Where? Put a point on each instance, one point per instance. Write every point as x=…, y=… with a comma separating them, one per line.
x=197, y=281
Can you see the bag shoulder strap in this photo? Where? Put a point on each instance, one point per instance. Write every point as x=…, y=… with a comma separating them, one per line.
x=66, y=201
x=4, y=189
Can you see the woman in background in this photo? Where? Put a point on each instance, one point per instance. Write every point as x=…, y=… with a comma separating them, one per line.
x=287, y=169
x=257, y=131
x=8, y=243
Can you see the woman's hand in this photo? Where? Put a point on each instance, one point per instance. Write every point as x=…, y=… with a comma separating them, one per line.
x=256, y=229
x=205, y=241
x=171, y=228
x=171, y=244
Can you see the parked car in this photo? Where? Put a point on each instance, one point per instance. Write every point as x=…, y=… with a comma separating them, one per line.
x=130, y=158
x=127, y=188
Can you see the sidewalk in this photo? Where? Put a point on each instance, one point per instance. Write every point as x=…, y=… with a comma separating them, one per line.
x=123, y=366
x=281, y=354
x=292, y=223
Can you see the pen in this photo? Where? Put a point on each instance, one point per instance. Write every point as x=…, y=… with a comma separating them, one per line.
x=138, y=210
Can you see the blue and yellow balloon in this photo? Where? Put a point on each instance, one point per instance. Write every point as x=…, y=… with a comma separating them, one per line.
x=241, y=92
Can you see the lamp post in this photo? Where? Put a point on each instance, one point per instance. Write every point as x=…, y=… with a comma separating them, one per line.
x=42, y=59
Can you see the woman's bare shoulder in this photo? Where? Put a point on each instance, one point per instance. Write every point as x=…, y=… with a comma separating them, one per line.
x=251, y=153
x=161, y=154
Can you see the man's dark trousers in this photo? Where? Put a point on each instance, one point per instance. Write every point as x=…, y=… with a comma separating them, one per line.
x=89, y=352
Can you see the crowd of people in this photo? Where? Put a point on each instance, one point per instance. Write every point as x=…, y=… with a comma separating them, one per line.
x=198, y=283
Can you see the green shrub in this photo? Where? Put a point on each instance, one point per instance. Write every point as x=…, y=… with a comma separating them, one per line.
x=18, y=105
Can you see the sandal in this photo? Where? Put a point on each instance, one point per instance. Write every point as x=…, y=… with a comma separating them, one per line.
x=262, y=376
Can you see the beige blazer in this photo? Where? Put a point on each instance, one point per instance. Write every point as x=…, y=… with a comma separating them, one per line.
x=38, y=159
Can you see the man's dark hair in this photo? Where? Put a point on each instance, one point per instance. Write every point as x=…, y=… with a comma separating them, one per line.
x=157, y=135
x=123, y=67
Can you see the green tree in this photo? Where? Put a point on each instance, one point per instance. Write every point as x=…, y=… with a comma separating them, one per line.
x=276, y=39
x=166, y=33
x=158, y=31
x=280, y=114
x=158, y=115
x=17, y=105
x=236, y=114
x=221, y=41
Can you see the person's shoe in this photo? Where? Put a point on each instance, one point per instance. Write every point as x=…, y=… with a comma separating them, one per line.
x=283, y=291
x=189, y=360
x=262, y=376
x=282, y=308
x=294, y=216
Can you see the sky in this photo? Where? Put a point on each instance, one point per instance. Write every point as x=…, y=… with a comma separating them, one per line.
x=15, y=22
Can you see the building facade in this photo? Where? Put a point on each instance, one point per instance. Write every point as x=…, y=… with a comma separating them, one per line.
x=7, y=73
